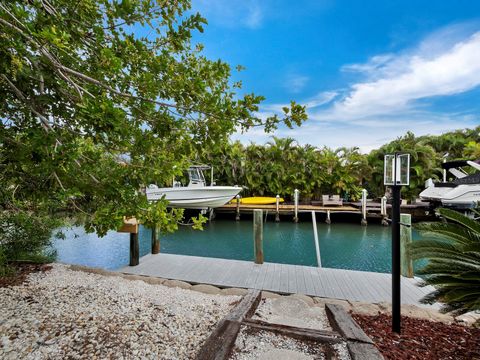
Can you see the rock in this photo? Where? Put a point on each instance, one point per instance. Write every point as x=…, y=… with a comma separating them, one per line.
x=385, y=307
x=270, y=295
x=284, y=354
x=289, y=306
x=177, y=283
x=153, y=280
x=469, y=318
x=438, y=316
x=92, y=270
x=134, y=277
x=305, y=298
x=234, y=291
x=206, y=289
x=416, y=312
x=322, y=301
x=365, y=308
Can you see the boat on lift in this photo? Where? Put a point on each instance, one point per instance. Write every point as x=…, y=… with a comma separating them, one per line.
x=461, y=193
x=196, y=195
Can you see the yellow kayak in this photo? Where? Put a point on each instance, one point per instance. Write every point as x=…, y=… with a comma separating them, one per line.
x=257, y=200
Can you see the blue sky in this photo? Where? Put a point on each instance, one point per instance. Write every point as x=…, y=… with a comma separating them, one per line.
x=368, y=71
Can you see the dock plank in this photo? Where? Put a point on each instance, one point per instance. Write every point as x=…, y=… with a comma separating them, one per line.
x=322, y=282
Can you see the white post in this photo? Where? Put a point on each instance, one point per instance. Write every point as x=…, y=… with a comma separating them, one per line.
x=383, y=210
x=364, y=207
x=383, y=206
x=277, y=214
x=328, y=220
x=315, y=236
x=295, y=199
x=211, y=176
x=444, y=171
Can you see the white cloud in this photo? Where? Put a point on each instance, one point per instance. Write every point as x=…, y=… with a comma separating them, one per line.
x=396, y=83
x=295, y=83
x=322, y=98
x=393, y=96
x=232, y=13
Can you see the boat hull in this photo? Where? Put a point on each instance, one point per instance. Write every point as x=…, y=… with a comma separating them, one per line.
x=194, y=197
x=462, y=196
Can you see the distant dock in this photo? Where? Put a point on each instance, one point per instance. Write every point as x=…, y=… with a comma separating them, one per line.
x=419, y=211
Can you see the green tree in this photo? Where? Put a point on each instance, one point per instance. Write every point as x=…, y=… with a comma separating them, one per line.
x=99, y=98
x=424, y=161
x=453, y=252
x=472, y=150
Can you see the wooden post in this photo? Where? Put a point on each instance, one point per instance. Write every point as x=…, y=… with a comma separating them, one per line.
x=295, y=199
x=130, y=225
x=277, y=209
x=383, y=210
x=258, y=235
x=134, y=249
x=364, y=208
x=405, y=241
x=237, y=217
x=155, y=241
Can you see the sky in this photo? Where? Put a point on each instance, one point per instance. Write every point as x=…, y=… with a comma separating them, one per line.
x=367, y=71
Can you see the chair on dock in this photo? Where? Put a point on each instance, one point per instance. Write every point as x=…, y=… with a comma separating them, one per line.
x=331, y=200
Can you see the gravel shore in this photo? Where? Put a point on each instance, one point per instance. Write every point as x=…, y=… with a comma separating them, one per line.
x=72, y=314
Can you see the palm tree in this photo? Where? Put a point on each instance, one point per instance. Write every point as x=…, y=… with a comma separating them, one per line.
x=452, y=249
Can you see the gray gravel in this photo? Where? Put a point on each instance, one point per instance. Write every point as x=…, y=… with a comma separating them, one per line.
x=269, y=346
x=69, y=314
x=292, y=311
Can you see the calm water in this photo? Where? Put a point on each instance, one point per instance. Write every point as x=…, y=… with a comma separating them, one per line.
x=343, y=246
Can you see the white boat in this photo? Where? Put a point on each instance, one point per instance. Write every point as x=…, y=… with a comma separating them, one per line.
x=463, y=192
x=197, y=195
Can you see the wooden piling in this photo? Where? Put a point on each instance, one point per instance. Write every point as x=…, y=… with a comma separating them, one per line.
x=405, y=241
x=155, y=241
x=328, y=220
x=134, y=249
x=237, y=216
x=364, y=208
x=277, y=208
x=258, y=235
x=130, y=225
x=295, y=199
x=383, y=210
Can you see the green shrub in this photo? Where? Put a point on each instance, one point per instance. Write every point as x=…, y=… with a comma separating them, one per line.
x=25, y=236
x=452, y=249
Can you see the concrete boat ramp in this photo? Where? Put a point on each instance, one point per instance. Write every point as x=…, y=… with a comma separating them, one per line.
x=281, y=278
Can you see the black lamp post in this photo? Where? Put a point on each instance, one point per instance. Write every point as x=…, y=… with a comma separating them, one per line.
x=396, y=174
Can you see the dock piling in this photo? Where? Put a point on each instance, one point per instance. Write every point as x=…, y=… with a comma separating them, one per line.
x=130, y=225
x=155, y=241
x=134, y=249
x=237, y=216
x=295, y=198
x=383, y=210
x=258, y=235
x=277, y=208
x=315, y=236
x=405, y=241
x=328, y=220
x=364, y=208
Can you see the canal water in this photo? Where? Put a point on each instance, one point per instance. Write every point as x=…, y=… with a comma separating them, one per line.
x=342, y=245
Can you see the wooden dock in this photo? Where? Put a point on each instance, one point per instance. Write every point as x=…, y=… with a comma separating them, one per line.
x=288, y=208
x=322, y=282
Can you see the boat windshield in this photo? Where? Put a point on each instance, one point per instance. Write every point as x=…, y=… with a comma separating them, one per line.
x=196, y=177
